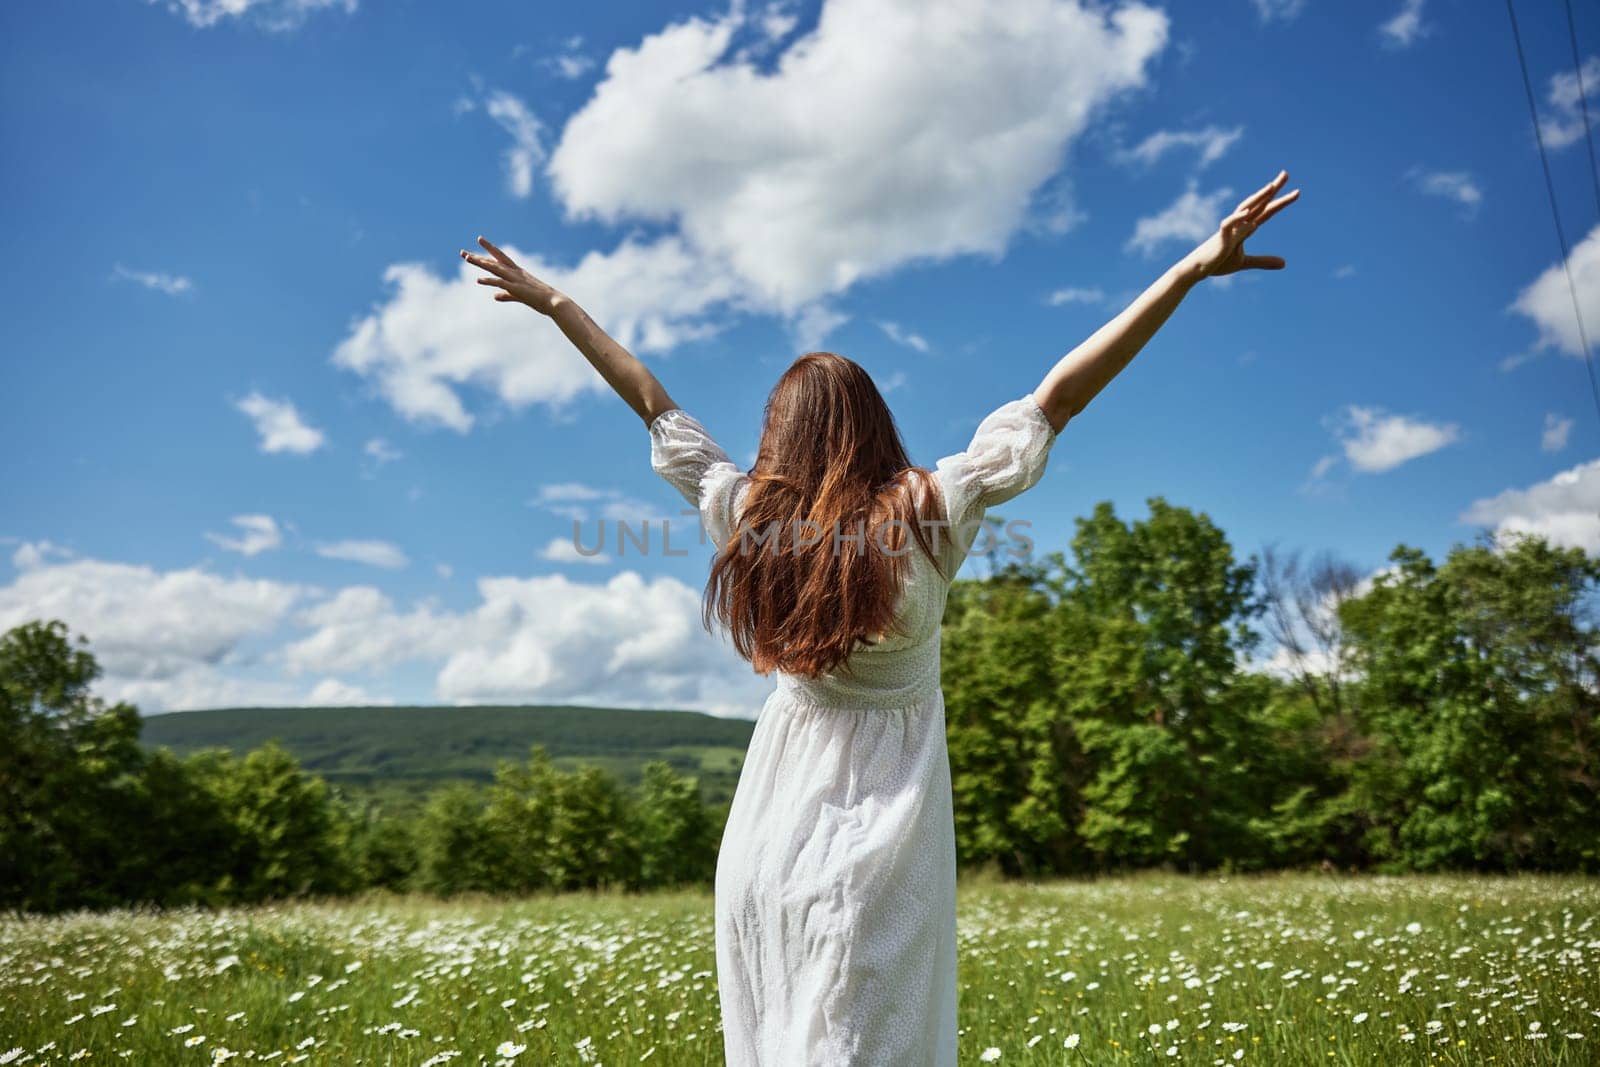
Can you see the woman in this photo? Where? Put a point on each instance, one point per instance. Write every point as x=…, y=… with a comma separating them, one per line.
x=836, y=877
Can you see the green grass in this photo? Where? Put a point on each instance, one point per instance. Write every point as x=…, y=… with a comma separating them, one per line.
x=1294, y=969
x=398, y=753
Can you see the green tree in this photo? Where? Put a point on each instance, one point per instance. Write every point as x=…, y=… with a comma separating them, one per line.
x=1479, y=692
x=1155, y=623
x=69, y=773
x=673, y=827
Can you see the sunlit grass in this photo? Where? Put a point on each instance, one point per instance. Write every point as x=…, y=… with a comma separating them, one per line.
x=1279, y=970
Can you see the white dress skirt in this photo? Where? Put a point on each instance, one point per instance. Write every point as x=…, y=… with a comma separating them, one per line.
x=835, y=895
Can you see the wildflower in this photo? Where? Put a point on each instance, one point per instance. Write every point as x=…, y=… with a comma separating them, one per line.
x=990, y=1054
x=1071, y=1041
x=506, y=1050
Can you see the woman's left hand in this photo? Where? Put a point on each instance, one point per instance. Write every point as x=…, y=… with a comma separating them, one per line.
x=1223, y=252
x=516, y=284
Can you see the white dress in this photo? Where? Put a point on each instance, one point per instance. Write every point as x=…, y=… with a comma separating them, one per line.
x=835, y=895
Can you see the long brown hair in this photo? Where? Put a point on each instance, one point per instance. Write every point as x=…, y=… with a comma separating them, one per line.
x=816, y=561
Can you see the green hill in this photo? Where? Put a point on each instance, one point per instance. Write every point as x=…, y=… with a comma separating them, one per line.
x=403, y=752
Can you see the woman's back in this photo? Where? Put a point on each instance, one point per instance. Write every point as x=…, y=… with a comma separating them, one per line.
x=835, y=885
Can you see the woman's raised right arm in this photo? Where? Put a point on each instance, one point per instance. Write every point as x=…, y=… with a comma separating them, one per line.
x=1079, y=375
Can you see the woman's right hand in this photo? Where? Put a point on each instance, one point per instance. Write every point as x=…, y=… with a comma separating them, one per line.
x=1223, y=252
x=516, y=284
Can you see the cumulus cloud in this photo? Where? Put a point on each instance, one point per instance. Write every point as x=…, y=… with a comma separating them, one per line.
x=1374, y=440
x=435, y=336
x=1562, y=122
x=269, y=14
x=257, y=533
x=901, y=336
x=1565, y=509
x=571, y=62
x=1405, y=28
x=1556, y=432
x=881, y=137
x=380, y=451
x=162, y=637
x=333, y=693
x=1279, y=10
x=1211, y=142
x=372, y=553
x=280, y=425
x=190, y=638
x=526, y=149
x=1191, y=218
x=1458, y=186
x=1076, y=295
x=578, y=548
x=160, y=281
x=1547, y=300
x=628, y=641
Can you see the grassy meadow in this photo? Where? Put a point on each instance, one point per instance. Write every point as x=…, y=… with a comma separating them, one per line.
x=1292, y=969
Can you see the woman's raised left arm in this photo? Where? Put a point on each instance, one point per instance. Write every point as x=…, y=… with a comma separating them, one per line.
x=621, y=369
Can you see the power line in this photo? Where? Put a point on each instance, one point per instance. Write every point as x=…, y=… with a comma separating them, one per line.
x=1583, y=102
x=1555, y=212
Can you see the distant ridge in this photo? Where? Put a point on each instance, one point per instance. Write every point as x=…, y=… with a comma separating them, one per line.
x=386, y=747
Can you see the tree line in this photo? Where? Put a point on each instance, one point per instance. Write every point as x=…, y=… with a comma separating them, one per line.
x=1106, y=709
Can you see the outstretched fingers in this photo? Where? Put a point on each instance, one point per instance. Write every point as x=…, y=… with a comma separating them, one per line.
x=495, y=252
x=1277, y=206
x=1257, y=198
x=493, y=266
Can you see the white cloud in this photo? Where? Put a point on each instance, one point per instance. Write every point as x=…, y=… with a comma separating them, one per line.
x=1076, y=295
x=435, y=335
x=1279, y=10
x=526, y=150
x=811, y=327
x=163, y=638
x=1562, y=122
x=192, y=639
x=333, y=693
x=1556, y=432
x=574, y=500
x=627, y=641
x=1345, y=271
x=31, y=554
x=900, y=336
x=269, y=14
x=571, y=62
x=280, y=425
x=1565, y=509
x=171, y=284
x=881, y=137
x=257, y=533
x=372, y=553
x=381, y=451
x=1406, y=27
x=1212, y=142
x=773, y=180
x=1459, y=186
x=1375, y=441
x=567, y=550
x=1191, y=218
x=1547, y=300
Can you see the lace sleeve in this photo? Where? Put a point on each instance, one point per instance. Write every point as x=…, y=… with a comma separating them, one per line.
x=683, y=453
x=1006, y=456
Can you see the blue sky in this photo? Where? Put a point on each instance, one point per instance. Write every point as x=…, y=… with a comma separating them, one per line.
x=269, y=445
